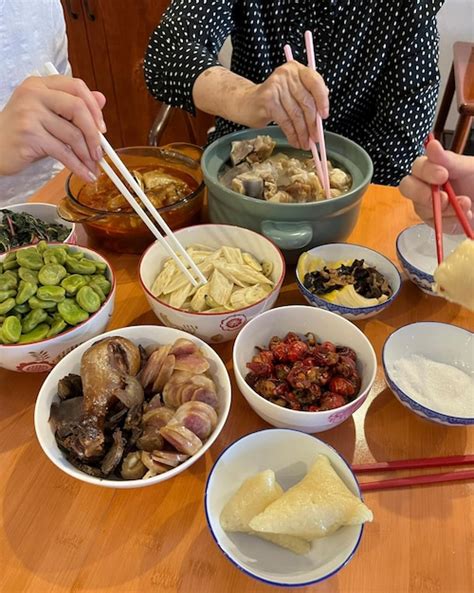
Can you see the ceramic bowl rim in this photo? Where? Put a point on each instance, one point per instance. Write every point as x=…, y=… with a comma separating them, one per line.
x=235, y=195
x=430, y=413
x=306, y=413
x=83, y=323
x=234, y=562
x=77, y=474
x=343, y=308
x=407, y=264
x=276, y=287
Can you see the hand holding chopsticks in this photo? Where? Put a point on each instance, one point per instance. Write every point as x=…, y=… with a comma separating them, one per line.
x=173, y=241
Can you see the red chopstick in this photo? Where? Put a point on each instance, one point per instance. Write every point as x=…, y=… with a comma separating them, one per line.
x=437, y=215
x=416, y=480
x=413, y=463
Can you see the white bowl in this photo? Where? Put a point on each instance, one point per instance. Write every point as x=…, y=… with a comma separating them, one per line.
x=302, y=319
x=416, y=251
x=48, y=213
x=290, y=454
x=212, y=327
x=441, y=342
x=40, y=357
x=145, y=335
x=344, y=251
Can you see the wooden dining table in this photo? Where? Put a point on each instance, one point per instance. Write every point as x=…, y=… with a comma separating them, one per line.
x=61, y=535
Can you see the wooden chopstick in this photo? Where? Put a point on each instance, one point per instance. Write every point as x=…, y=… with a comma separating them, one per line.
x=413, y=463
x=308, y=37
x=312, y=145
x=139, y=210
x=411, y=481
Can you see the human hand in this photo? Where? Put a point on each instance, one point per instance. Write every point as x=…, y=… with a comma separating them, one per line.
x=55, y=116
x=435, y=168
x=289, y=97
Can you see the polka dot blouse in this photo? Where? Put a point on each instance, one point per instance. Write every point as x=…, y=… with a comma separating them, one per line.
x=378, y=58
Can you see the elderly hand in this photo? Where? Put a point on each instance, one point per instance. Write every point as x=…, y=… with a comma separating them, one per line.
x=436, y=168
x=289, y=97
x=55, y=116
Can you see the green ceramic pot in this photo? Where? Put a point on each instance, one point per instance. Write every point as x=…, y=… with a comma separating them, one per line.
x=293, y=227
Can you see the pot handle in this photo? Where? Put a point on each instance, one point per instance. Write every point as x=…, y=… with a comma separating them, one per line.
x=288, y=235
x=193, y=151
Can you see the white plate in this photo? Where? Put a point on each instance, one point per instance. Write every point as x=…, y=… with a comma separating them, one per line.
x=290, y=454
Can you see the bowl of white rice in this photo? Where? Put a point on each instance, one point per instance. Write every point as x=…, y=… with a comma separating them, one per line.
x=429, y=367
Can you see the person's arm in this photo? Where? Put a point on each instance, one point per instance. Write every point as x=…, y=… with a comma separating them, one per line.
x=435, y=168
x=55, y=116
x=407, y=94
x=186, y=74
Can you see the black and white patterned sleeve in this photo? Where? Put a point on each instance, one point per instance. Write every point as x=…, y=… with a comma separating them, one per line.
x=185, y=43
x=407, y=94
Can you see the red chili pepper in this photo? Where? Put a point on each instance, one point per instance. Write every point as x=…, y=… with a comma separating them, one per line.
x=341, y=386
x=297, y=350
x=332, y=400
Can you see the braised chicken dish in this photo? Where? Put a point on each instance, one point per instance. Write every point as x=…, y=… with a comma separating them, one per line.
x=258, y=173
x=134, y=413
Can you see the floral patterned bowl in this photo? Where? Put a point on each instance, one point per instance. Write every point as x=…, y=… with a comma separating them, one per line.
x=41, y=357
x=303, y=319
x=212, y=327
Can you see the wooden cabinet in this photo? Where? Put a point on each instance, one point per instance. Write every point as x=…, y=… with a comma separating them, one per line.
x=107, y=43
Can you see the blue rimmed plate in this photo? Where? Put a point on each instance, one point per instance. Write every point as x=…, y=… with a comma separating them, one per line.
x=290, y=454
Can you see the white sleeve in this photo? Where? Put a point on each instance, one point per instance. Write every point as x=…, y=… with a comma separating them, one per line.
x=60, y=55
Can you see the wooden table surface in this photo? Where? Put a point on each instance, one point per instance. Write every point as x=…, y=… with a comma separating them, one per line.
x=61, y=535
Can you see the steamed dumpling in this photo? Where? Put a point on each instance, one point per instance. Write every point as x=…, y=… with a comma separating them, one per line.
x=256, y=493
x=315, y=507
x=454, y=277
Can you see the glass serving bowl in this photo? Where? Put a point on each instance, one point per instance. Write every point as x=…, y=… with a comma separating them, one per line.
x=120, y=229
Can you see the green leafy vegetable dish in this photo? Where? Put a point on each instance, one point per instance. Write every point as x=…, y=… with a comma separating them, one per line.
x=20, y=228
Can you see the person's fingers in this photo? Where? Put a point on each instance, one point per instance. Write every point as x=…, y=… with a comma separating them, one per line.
x=429, y=172
x=296, y=116
x=69, y=134
x=314, y=83
x=74, y=110
x=63, y=153
x=100, y=99
x=416, y=190
x=78, y=88
x=306, y=104
x=278, y=114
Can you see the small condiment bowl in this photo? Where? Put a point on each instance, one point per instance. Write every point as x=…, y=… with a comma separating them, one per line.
x=48, y=213
x=334, y=252
x=440, y=342
x=290, y=454
x=40, y=357
x=416, y=252
x=326, y=326
x=212, y=327
x=146, y=335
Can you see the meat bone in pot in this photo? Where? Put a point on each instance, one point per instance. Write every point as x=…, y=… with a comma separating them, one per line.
x=133, y=411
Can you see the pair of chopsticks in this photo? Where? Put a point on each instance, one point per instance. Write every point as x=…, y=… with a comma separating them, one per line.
x=417, y=480
x=320, y=164
x=437, y=215
x=116, y=160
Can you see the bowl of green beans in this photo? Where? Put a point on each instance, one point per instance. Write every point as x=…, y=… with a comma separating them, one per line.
x=53, y=297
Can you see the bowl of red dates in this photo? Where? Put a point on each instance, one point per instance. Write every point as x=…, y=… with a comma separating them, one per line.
x=303, y=368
